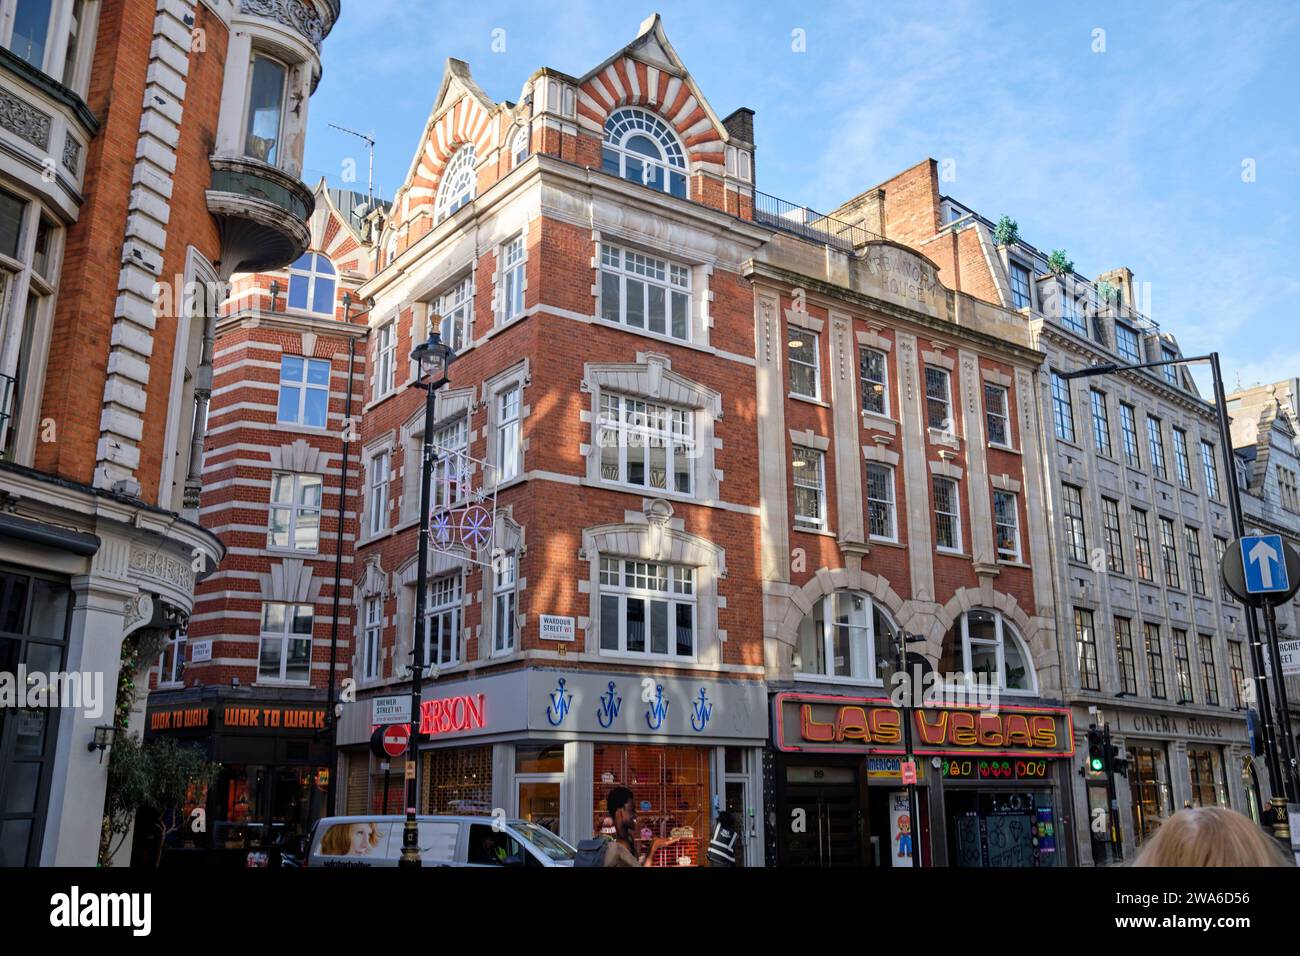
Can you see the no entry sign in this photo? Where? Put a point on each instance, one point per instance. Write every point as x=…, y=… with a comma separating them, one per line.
x=391, y=740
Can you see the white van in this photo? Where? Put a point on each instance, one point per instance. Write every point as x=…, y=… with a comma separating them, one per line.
x=444, y=841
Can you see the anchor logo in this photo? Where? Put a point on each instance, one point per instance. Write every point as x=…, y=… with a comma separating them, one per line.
x=701, y=711
x=610, y=702
x=658, y=710
x=558, y=708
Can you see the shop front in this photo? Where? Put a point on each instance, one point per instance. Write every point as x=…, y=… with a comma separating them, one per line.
x=549, y=745
x=273, y=773
x=1175, y=760
x=989, y=784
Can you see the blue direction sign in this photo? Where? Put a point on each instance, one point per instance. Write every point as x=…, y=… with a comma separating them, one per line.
x=1263, y=562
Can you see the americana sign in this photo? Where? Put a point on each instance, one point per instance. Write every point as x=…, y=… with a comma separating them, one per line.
x=819, y=723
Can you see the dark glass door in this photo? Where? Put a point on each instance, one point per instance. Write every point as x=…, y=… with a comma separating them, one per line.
x=823, y=817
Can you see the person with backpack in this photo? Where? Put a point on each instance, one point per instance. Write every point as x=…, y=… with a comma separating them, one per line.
x=621, y=849
x=722, y=846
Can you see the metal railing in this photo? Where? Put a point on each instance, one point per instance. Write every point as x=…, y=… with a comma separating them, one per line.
x=809, y=224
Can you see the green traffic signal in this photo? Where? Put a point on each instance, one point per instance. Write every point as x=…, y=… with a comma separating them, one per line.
x=1096, y=764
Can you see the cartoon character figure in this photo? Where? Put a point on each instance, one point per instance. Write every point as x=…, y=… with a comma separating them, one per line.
x=904, y=837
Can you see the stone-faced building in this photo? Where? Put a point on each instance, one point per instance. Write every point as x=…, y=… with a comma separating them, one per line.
x=1139, y=514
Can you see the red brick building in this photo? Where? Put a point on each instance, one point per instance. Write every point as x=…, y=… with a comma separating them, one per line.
x=151, y=149
x=727, y=445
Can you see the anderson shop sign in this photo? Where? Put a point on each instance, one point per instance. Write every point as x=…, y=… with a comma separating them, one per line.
x=831, y=724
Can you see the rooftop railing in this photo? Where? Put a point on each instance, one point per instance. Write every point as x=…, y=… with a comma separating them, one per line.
x=809, y=224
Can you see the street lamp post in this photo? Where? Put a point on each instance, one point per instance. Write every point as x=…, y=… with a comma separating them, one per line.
x=1281, y=765
x=434, y=358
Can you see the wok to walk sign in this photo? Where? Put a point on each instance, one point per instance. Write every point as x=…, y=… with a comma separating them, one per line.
x=830, y=724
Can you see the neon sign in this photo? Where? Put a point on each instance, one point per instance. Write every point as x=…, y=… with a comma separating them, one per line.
x=451, y=714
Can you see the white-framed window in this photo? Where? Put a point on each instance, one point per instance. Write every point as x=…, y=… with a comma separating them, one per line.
x=456, y=306
x=442, y=611
x=848, y=636
x=509, y=437
x=997, y=415
x=371, y=641
x=645, y=292
x=938, y=398
x=805, y=364
x=882, y=517
x=267, y=81
x=646, y=444
x=385, y=358
x=30, y=253
x=380, y=475
x=37, y=32
x=519, y=147
x=450, y=446
x=1006, y=522
x=311, y=284
x=304, y=391
x=809, y=468
x=947, y=513
x=647, y=609
x=295, y=512
x=503, y=605
x=873, y=375
x=1020, y=294
x=1128, y=344
x=641, y=147
x=983, y=642
x=171, y=662
x=458, y=183
x=285, y=651
x=512, y=279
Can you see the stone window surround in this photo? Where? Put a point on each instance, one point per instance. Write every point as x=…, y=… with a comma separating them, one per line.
x=872, y=339
x=374, y=583
x=499, y=275
x=289, y=581
x=652, y=377
x=380, y=444
x=450, y=404
x=654, y=534
x=701, y=294
x=517, y=374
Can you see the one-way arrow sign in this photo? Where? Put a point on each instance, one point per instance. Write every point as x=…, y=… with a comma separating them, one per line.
x=1261, y=569
x=1263, y=564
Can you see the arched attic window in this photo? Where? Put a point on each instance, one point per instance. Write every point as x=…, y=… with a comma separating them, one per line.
x=983, y=642
x=641, y=147
x=458, y=183
x=312, y=283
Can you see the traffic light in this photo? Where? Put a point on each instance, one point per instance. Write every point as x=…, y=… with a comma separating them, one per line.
x=1096, y=750
x=1117, y=763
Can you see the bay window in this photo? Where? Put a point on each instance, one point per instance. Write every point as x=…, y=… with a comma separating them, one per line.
x=647, y=609
x=645, y=293
x=266, y=95
x=646, y=444
x=849, y=636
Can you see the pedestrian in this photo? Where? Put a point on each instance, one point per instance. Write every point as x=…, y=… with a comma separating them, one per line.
x=621, y=849
x=1210, y=836
x=722, y=845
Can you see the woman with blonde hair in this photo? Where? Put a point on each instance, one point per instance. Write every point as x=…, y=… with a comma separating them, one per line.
x=1210, y=836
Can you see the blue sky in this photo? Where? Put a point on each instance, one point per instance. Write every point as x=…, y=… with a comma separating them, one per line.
x=1130, y=156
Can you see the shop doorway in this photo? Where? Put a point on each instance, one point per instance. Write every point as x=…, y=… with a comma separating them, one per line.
x=539, y=798
x=1001, y=828
x=823, y=810
x=737, y=800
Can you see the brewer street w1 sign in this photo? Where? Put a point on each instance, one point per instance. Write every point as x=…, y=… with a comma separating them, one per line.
x=1261, y=569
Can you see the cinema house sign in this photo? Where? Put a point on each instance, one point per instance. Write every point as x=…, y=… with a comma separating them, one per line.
x=825, y=724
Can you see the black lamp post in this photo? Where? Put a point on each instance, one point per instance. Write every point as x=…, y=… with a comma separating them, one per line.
x=1281, y=762
x=434, y=358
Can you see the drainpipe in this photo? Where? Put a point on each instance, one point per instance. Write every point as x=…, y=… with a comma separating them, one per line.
x=202, y=399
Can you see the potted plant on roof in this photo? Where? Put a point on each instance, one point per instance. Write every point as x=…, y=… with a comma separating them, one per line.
x=1058, y=263
x=1006, y=231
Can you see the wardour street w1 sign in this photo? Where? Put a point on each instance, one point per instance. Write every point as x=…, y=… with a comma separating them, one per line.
x=1261, y=569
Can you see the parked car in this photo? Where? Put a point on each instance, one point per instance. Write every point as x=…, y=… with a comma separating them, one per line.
x=444, y=841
